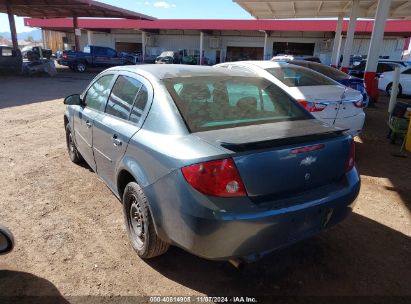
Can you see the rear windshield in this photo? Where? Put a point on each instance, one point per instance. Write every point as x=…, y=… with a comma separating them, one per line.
x=220, y=102
x=299, y=77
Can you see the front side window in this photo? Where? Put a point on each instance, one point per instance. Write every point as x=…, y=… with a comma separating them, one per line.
x=299, y=77
x=211, y=103
x=407, y=72
x=97, y=94
x=123, y=96
x=385, y=67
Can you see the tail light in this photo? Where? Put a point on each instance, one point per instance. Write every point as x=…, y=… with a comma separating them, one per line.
x=351, y=158
x=312, y=106
x=65, y=56
x=215, y=178
x=359, y=104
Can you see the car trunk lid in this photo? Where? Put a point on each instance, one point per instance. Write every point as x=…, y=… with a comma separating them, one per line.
x=286, y=158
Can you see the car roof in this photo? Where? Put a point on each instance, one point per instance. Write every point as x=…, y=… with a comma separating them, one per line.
x=165, y=71
x=261, y=63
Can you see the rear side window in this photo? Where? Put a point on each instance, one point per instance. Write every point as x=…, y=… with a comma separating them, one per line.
x=139, y=105
x=299, y=77
x=111, y=53
x=97, y=94
x=122, y=97
x=407, y=72
x=212, y=103
x=6, y=52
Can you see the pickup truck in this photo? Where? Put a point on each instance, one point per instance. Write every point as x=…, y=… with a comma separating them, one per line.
x=10, y=60
x=95, y=56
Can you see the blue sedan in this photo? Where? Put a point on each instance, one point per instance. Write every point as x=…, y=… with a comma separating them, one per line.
x=223, y=164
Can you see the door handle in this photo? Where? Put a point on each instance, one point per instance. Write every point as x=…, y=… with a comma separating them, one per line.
x=117, y=142
x=88, y=124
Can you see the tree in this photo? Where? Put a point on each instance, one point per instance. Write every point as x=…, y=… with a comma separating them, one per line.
x=29, y=38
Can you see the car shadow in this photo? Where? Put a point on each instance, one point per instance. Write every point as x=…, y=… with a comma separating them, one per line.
x=357, y=257
x=22, y=287
x=21, y=90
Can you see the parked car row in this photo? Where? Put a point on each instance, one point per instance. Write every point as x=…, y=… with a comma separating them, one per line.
x=223, y=162
x=383, y=66
x=98, y=56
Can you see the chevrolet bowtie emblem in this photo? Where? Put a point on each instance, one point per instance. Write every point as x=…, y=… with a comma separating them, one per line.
x=308, y=161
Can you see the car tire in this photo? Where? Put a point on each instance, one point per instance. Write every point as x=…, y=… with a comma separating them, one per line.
x=389, y=89
x=80, y=67
x=139, y=224
x=74, y=154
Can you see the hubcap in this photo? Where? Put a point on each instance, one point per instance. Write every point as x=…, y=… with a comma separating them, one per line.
x=137, y=223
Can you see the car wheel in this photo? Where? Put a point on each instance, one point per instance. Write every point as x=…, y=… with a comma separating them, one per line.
x=139, y=223
x=74, y=155
x=80, y=67
x=389, y=90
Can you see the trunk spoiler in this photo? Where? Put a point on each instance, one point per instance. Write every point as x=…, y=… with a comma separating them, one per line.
x=281, y=142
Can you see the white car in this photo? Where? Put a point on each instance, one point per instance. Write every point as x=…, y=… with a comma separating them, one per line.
x=325, y=98
x=386, y=79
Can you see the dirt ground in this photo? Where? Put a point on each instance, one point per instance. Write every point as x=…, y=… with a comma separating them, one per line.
x=71, y=240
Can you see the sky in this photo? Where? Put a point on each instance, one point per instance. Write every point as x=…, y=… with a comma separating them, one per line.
x=168, y=9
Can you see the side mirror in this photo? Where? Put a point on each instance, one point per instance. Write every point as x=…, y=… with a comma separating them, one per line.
x=6, y=240
x=73, y=100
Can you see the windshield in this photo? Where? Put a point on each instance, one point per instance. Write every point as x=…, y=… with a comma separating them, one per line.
x=333, y=73
x=167, y=54
x=219, y=102
x=299, y=77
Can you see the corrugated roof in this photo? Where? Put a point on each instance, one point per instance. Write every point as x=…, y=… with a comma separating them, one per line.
x=277, y=9
x=392, y=26
x=68, y=8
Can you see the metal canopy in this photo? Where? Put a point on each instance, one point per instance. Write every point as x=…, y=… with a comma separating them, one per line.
x=64, y=8
x=263, y=9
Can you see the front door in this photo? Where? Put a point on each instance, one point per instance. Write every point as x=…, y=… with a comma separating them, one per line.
x=121, y=120
x=95, y=100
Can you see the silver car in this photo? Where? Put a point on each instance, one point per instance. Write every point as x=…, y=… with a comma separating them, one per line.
x=223, y=164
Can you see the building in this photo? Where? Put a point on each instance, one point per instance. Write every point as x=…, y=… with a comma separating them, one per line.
x=222, y=40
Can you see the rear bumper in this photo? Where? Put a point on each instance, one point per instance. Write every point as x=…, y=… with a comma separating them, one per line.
x=354, y=123
x=219, y=235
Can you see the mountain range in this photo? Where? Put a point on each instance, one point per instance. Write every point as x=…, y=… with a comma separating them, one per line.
x=36, y=34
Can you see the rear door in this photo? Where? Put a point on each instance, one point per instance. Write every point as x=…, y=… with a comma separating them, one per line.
x=95, y=99
x=123, y=117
